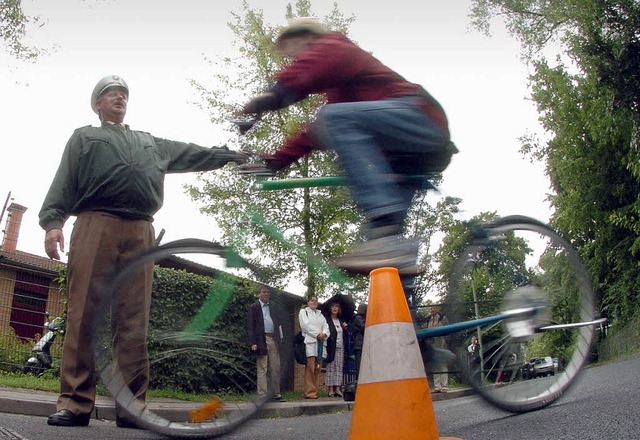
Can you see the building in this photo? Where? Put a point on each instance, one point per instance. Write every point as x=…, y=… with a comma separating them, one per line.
x=28, y=286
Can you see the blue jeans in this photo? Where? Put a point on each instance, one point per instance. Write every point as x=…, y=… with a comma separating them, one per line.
x=375, y=140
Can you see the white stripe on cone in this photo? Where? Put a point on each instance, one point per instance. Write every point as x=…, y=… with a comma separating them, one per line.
x=390, y=352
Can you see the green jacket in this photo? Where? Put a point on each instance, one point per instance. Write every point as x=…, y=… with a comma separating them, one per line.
x=120, y=171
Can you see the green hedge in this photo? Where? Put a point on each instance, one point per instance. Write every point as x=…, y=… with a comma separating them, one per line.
x=621, y=341
x=220, y=359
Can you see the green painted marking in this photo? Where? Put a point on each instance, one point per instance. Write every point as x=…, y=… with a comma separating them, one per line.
x=259, y=221
x=213, y=306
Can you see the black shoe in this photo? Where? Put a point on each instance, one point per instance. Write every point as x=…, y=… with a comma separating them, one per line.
x=279, y=399
x=392, y=251
x=124, y=423
x=64, y=417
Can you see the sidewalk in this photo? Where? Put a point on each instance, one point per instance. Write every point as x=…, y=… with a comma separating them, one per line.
x=40, y=403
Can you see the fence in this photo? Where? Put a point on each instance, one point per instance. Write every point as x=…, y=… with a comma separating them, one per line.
x=25, y=299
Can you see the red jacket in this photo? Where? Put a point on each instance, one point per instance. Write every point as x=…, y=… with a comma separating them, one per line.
x=343, y=72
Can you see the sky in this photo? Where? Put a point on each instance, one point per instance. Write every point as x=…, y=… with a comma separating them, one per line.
x=157, y=46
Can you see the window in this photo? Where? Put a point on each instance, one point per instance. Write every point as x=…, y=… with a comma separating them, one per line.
x=29, y=304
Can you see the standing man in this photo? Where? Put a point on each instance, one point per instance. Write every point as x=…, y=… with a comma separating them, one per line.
x=440, y=375
x=265, y=334
x=473, y=348
x=111, y=178
x=380, y=125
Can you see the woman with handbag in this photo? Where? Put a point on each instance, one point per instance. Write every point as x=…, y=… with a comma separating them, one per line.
x=316, y=331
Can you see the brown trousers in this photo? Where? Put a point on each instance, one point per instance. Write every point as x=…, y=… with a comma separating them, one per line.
x=268, y=369
x=311, y=372
x=99, y=242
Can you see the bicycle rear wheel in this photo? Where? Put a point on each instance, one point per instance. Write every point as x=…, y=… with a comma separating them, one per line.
x=519, y=266
x=197, y=350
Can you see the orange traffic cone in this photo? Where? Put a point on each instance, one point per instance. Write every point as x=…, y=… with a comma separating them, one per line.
x=393, y=400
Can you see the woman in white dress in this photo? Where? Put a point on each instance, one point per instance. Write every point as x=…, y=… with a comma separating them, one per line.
x=316, y=331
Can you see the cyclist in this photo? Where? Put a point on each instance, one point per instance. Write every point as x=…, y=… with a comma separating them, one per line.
x=378, y=123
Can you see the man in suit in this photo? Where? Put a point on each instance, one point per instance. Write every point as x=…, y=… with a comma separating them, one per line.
x=265, y=334
x=440, y=374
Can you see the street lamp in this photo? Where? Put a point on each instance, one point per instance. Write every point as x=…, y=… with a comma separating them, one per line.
x=473, y=262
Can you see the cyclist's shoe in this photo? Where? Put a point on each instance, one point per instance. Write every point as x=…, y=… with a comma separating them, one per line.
x=392, y=251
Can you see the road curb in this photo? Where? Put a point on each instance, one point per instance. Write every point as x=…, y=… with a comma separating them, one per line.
x=39, y=403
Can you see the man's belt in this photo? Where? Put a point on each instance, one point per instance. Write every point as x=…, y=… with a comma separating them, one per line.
x=269, y=335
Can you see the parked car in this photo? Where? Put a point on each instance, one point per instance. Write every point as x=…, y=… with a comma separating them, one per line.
x=536, y=367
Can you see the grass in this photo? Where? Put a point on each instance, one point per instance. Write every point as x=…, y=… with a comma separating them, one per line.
x=28, y=382
x=50, y=383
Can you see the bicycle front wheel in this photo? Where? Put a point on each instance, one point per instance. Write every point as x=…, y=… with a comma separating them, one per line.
x=530, y=277
x=195, y=345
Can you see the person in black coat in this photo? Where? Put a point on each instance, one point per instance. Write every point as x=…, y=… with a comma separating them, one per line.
x=336, y=350
x=357, y=332
x=264, y=334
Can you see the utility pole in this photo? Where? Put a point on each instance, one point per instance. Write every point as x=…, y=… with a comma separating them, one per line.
x=4, y=208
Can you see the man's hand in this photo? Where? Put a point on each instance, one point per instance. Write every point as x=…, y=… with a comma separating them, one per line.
x=240, y=158
x=52, y=239
x=254, y=347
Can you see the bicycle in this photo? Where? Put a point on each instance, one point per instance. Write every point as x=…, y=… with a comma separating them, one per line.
x=534, y=304
x=537, y=301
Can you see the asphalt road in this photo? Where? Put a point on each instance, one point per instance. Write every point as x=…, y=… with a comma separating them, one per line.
x=603, y=404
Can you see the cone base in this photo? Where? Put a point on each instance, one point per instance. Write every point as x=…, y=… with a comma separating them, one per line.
x=398, y=410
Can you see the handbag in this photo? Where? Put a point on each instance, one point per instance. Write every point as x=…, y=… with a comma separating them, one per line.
x=349, y=393
x=299, y=349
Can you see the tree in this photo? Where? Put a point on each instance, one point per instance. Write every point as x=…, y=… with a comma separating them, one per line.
x=427, y=220
x=588, y=102
x=317, y=224
x=13, y=30
x=501, y=265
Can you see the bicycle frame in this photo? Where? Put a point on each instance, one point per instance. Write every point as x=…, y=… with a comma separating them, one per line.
x=511, y=314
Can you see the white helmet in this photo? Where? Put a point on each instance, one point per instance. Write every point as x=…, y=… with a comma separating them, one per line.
x=300, y=26
x=105, y=84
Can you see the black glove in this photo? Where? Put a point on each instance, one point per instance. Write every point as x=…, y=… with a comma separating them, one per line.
x=269, y=167
x=261, y=103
